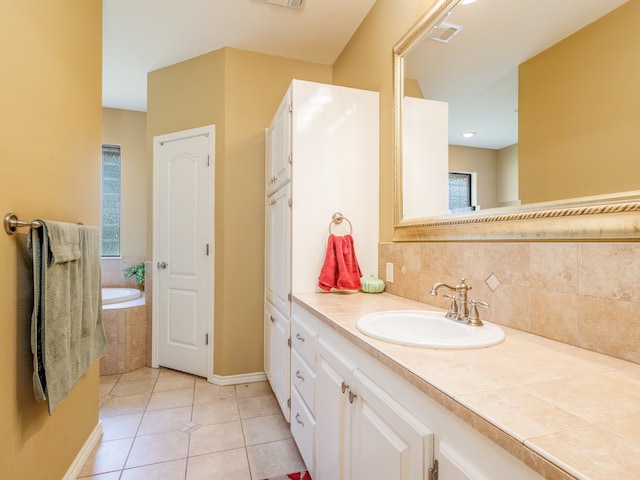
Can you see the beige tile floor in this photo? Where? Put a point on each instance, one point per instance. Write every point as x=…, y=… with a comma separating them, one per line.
x=166, y=425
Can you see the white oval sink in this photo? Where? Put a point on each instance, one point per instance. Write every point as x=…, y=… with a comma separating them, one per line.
x=426, y=328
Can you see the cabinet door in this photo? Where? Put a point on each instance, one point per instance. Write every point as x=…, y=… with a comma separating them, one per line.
x=278, y=147
x=332, y=414
x=386, y=440
x=279, y=363
x=278, y=250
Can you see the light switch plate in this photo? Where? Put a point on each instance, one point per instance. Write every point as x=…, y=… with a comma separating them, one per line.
x=389, y=276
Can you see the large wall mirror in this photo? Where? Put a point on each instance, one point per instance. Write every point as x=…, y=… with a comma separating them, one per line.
x=517, y=119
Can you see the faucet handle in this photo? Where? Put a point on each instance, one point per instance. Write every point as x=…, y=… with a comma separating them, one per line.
x=474, y=317
x=463, y=286
x=453, y=306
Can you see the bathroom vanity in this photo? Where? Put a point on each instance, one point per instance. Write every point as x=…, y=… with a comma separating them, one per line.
x=367, y=409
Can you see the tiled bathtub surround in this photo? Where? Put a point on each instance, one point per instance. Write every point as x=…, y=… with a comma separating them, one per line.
x=581, y=293
x=126, y=332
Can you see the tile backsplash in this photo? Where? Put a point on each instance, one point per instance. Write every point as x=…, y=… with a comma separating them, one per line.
x=585, y=294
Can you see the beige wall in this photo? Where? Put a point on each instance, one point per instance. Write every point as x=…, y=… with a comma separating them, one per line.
x=128, y=129
x=238, y=91
x=366, y=62
x=508, y=193
x=578, y=112
x=50, y=97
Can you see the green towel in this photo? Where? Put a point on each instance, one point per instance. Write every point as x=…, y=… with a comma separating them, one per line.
x=67, y=334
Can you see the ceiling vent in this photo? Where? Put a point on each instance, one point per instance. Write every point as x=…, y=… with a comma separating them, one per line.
x=443, y=32
x=287, y=3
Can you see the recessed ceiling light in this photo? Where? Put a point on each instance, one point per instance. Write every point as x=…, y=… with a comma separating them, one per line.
x=469, y=134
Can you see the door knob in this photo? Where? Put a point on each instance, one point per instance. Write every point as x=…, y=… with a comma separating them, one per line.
x=162, y=265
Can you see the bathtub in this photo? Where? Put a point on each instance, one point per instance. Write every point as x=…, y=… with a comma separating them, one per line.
x=124, y=316
x=121, y=298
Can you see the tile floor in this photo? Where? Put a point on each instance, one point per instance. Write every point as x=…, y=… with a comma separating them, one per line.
x=166, y=425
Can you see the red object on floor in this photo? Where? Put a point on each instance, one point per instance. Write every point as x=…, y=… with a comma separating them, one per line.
x=299, y=476
x=292, y=476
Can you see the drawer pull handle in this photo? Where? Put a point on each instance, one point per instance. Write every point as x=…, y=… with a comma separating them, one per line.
x=352, y=396
x=298, y=419
x=299, y=375
x=299, y=337
x=344, y=387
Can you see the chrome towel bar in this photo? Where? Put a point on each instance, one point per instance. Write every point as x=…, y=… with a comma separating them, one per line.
x=11, y=223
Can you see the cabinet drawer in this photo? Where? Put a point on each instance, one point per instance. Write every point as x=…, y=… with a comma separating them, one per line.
x=303, y=340
x=303, y=378
x=303, y=427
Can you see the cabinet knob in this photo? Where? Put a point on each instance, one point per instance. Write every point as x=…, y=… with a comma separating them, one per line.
x=344, y=387
x=299, y=337
x=299, y=375
x=352, y=396
x=300, y=422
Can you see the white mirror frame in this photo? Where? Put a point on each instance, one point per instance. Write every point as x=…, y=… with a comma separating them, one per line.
x=603, y=217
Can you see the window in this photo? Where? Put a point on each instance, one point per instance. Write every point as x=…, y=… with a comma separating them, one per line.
x=460, y=194
x=110, y=221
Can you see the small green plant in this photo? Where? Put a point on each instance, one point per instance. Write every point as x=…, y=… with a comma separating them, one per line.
x=138, y=271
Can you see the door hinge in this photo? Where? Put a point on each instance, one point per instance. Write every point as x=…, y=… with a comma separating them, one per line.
x=207, y=249
x=289, y=342
x=290, y=158
x=290, y=201
x=208, y=160
x=289, y=296
x=206, y=339
x=289, y=402
x=433, y=471
x=291, y=107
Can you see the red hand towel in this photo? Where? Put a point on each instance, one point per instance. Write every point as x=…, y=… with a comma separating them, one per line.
x=329, y=272
x=340, y=269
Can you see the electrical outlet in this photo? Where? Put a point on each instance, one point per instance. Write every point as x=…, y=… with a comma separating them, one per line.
x=389, y=275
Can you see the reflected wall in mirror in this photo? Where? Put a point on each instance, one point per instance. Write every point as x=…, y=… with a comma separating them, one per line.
x=549, y=90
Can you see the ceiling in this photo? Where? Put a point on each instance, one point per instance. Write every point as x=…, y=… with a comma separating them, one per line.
x=476, y=72
x=140, y=36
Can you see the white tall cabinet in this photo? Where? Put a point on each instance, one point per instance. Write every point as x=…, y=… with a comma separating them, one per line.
x=322, y=157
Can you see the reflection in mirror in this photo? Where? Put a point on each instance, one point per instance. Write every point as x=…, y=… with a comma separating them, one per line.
x=547, y=87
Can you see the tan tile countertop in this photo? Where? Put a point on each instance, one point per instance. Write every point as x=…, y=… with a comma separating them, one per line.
x=564, y=411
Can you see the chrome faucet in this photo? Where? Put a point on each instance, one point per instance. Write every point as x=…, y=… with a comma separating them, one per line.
x=459, y=306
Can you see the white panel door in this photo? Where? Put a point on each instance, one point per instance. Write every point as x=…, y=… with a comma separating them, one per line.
x=278, y=147
x=278, y=249
x=279, y=358
x=332, y=414
x=386, y=440
x=183, y=249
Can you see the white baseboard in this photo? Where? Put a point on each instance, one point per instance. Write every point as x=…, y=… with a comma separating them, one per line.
x=224, y=380
x=84, y=453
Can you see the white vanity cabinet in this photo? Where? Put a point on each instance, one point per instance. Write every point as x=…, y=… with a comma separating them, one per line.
x=277, y=334
x=362, y=432
x=321, y=157
x=303, y=387
x=372, y=424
